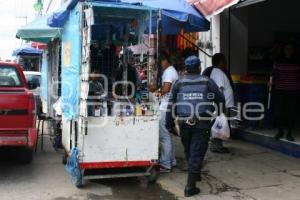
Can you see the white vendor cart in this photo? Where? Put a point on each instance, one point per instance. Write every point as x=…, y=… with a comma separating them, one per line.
x=121, y=137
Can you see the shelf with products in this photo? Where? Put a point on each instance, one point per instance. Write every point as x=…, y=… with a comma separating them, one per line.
x=260, y=61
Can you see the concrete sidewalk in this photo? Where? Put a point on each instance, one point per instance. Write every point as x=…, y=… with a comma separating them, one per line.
x=250, y=172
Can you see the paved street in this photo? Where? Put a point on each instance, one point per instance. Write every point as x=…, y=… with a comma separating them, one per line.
x=249, y=173
x=46, y=179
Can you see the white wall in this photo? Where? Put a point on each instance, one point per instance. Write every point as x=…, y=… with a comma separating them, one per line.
x=215, y=28
x=211, y=37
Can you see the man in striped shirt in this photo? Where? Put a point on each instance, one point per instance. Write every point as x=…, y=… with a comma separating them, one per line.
x=286, y=82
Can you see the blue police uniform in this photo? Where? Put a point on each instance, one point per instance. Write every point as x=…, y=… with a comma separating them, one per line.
x=193, y=99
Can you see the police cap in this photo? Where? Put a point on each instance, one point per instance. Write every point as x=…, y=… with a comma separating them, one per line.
x=192, y=62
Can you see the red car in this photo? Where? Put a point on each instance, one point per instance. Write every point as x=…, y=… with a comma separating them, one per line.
x=17, y=112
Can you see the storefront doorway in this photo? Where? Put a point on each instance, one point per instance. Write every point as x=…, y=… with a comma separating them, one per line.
x=251, y=36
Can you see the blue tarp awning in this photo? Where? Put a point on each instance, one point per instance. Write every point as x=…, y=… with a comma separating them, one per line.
x=59, y=18
x=178, y=15
x=27, y=51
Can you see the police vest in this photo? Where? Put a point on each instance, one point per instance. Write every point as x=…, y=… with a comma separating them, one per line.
x=194, y=99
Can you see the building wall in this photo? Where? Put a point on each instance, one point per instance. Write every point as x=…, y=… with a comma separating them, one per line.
x=210, y=41
x=237, y=45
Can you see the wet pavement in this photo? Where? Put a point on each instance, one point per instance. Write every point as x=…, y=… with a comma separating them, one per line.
x=135, y=189
x=127, y=189
x=249, y=172
x=46, y=179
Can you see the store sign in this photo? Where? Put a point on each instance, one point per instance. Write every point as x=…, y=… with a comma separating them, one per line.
x=211, y=7
x=67, y=54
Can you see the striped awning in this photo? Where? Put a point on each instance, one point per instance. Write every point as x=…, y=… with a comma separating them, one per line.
x=212, y=7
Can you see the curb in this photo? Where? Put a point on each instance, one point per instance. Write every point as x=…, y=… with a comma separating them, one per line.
x=283, y=146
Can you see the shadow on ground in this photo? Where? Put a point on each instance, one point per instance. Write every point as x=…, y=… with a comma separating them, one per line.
x=45, y=178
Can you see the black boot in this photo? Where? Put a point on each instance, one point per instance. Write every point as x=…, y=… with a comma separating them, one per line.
x=191, y=189
x=279, y=135
x=289, y=136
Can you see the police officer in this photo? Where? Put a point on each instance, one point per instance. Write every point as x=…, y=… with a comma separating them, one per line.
x=193, y=100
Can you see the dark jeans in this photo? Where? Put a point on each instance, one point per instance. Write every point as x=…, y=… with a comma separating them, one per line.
x=286, y=108
x=195, y=142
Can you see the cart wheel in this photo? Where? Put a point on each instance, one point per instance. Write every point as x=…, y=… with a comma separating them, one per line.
x=64, y=158
x=153, y=175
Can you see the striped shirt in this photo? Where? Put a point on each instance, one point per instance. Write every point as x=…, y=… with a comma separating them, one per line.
x=286, y=76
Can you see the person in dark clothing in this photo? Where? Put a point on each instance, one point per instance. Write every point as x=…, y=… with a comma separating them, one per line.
x=95, y=86
x=132, y=74
x=96, y=90
x=218, y=72
x=286, y=82
x=192, y=99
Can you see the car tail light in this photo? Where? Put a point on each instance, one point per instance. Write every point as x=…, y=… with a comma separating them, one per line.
x=32, y=105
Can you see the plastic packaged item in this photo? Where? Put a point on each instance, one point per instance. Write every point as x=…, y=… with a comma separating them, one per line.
x=129, y=110
x=138, y=110
x=97, y=111
x=220, y=128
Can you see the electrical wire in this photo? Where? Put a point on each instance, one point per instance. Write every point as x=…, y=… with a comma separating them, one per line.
x=48, y=7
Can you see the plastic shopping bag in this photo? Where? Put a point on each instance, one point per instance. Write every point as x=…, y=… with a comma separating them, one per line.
x=220, y=128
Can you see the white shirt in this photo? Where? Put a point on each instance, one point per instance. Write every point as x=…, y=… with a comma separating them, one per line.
x=170, y=75
x=223, y=83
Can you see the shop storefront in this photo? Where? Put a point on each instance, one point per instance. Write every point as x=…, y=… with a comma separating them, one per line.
x=252, y=35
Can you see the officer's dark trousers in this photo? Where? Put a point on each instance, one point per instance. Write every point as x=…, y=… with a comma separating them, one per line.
x=195, y=142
